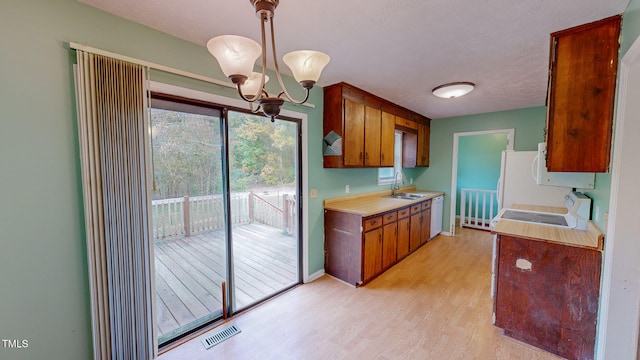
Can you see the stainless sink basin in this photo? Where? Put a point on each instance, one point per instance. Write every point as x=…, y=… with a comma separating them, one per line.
x=406, y=196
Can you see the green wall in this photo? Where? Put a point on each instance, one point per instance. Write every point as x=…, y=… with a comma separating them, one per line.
x=479, y=159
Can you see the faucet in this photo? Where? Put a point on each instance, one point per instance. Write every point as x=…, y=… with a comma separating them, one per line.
x=396, y=186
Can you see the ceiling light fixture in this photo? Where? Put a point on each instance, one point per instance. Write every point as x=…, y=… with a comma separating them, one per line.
x=237, y=56
x=453, y=90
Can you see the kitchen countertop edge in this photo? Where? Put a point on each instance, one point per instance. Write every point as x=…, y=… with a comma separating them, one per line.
x=376, y=203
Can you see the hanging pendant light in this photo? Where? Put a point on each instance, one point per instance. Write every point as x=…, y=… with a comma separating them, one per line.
x=237, y=56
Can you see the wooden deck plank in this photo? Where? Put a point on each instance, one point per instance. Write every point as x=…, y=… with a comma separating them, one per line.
x=201, y=287
x=189, y=271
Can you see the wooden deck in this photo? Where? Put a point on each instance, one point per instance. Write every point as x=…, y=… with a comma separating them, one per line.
x=190, y=270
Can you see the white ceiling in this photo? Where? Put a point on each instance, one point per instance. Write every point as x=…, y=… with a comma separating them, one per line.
x=398, y=50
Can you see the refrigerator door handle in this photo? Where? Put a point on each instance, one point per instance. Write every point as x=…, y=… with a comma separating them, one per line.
x=534, y=168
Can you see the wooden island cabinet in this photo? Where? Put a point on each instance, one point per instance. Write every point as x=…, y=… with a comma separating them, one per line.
x=547, y=285
x=360, y=247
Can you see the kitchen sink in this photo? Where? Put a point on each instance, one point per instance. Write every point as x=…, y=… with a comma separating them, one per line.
x=406, y=196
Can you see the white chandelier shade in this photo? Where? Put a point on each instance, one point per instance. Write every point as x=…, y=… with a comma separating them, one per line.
x=236, y=54
x=306, y=65
x=251, y=87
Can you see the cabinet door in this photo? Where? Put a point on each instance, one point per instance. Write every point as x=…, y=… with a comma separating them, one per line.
x=547, y=295
x=423, y=145
x=403, y=237
x=425, y=229
x=372, y=253
x=389, y=244
x=353, y=140
x=387, y=139
x=414, y=235
x=372, y=126
x=582, y=86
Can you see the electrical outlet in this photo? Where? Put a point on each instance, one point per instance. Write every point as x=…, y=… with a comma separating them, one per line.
x=346, y=189
x=314, y=193
x=410, y=181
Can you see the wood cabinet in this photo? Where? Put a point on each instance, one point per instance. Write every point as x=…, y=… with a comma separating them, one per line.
x=547, y=294
x=372, y=254
x=415, y=237
x=403, y=232
x=424, y=133
x=425, y=226
x=357, y=249
x=389, y=239
x=366, y=125
x=353, y=133
x=582, y=85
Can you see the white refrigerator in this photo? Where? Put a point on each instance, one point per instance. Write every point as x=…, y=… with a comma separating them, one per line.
x=517, y=183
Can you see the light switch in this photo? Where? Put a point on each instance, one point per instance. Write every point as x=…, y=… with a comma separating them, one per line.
x=314, y=193
x=346, y=188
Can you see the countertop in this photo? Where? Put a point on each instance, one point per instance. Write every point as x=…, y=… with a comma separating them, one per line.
x=376, y=202
x=592, y=238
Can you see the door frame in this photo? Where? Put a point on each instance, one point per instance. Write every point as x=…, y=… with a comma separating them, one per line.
x=619, y=316
x=223, y=100
x=454, y=167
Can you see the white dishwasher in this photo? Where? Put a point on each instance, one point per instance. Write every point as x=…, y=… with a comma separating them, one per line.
x=436, y=215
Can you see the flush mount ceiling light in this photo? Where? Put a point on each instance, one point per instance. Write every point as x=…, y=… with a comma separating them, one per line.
x=453, y=90
x=237, y=56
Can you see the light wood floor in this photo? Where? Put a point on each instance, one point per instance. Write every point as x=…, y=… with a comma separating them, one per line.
x=435, y=304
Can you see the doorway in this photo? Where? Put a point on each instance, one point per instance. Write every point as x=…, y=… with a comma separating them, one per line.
x=225, y=211
x=472, y=141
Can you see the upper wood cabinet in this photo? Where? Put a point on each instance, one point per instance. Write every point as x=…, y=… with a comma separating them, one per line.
x=359, y=127
x=582, y=85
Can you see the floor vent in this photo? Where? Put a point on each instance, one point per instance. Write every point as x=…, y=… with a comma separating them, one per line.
x=220, y=336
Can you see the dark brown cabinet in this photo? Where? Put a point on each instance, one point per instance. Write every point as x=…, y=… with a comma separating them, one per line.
x=547, y=294
x=366, y=125
x=357, y=249
x=582, y=86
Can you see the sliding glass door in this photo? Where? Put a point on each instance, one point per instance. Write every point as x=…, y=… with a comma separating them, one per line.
x=225, y=209
x=264, y=188
x=188, y=216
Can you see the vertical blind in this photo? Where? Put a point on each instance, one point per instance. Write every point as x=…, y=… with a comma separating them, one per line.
x=112, y=129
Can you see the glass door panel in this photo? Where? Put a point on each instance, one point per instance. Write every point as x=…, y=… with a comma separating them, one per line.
x=188, y=216
x=264, y=188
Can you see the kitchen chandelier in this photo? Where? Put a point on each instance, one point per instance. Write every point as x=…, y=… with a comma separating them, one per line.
x=237, y=56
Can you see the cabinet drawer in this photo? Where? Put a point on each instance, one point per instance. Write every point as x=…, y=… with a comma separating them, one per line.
x=403, y=213
x=406, y=123
x=426, y=205
x=372, y=223
x=389, y=217
x=416, y=208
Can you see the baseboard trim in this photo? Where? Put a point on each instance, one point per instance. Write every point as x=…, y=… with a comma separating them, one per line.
x=315, y=276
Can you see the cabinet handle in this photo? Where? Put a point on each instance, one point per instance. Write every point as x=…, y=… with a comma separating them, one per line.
x=382, y=156
x=360, y=155
x=366, y=156
x=374, y=222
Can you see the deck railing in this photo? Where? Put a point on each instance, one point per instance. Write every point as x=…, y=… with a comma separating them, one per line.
x=190, y=215
x=477, y=208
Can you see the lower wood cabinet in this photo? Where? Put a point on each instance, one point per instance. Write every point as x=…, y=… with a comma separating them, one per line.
x=547, y=295
x=357, y=249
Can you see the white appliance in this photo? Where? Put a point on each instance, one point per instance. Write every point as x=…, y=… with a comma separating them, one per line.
x=518, y=186
x=577, y=216
x=569, y=179
x=436, y=215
